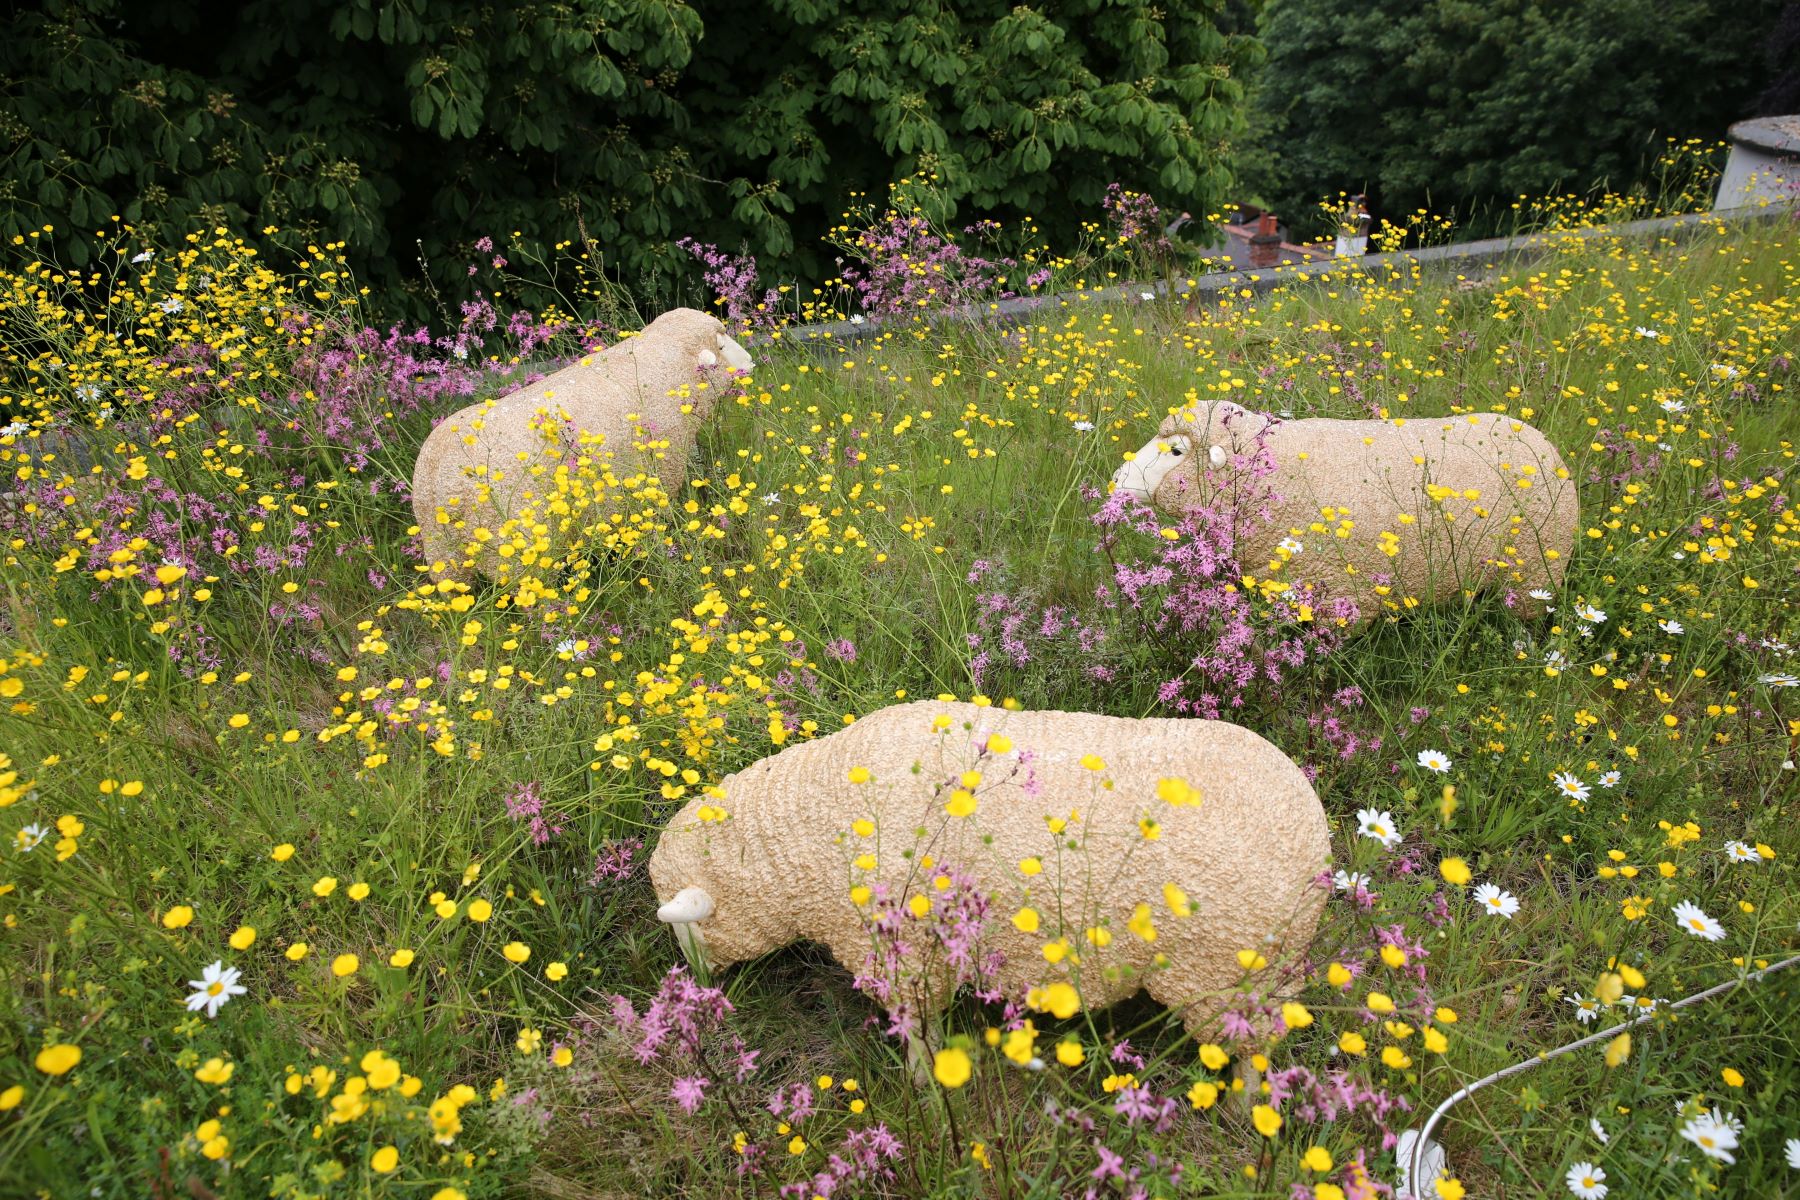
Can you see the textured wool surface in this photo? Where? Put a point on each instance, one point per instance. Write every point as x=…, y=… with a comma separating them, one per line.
x=495, y=462
x=781, y=867
x=1506, y=520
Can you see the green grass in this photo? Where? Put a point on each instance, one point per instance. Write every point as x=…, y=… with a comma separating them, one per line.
x=879, y=552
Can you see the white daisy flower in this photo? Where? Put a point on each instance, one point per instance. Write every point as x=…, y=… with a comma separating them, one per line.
x=1674, y=406
x=14, y=429
x=770, y=498
x=857, y=319
x=1378, y=824
x=1084, y=426
x=1496, y=902
x=1740, y=852
x=1610, y=779
x=1540, y=593
x=1291, y=545
x=1590, y=614
x=1670, y=627
x=172, y=305
x=1730, y=1119
x=1431, y=760
x=1722, y=369
x=1644, y=331
x=1779, y=680
x=1587, y=1181
x=216, y=985
x=143, y=256
x=1571, y=786
x=1678, y=555
x=1691, y=918
x=27, y=839
x=1555, y=658
x=1585, y=1010
x=1793, y=1153
x=1715, y=1138
x=1598, y=1130
x=1642, y=1006
x=1146, y=295
x=1349, y=881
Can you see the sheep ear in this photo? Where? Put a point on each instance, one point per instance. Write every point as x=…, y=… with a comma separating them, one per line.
x=690, y=904
x=735, y=356
x=1216, y=456
x=708, y=359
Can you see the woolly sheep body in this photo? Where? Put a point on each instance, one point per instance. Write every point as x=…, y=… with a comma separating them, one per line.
x=780, y=868
x=1503, y=515
x=494, y=461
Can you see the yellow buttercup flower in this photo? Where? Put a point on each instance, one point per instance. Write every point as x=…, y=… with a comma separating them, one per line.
x=951, y=1067
x=58, y=1059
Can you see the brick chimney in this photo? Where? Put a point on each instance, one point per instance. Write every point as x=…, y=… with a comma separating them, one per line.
x=1265, y=243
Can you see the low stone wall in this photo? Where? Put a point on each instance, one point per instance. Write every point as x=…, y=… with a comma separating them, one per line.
x=1456, y=256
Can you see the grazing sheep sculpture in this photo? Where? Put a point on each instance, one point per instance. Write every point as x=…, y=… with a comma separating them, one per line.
x=1385, y=513
x=489, y=468
x=1090, y=833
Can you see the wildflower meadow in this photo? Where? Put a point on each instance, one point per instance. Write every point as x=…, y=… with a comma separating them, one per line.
x=321, y=877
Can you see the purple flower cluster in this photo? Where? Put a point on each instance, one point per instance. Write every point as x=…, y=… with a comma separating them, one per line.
x=684, y=1027
x=905, y=265
x=615, y=861
x=1136, y=220
x=1298, y=1093
x=911, y=954
x=526, y=801
x=1188, y=599
x=733, y=278
x=864, y=1157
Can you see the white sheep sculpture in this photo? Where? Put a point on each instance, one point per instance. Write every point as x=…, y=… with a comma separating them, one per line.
x=489, y=469
x=1384, y=513
x=1147, y=853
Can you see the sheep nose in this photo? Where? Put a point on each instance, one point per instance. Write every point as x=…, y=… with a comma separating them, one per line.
x=688, y=905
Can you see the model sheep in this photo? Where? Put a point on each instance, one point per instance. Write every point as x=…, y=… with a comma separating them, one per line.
x=490, y=473
x=1107, y=855
x=1385, y=513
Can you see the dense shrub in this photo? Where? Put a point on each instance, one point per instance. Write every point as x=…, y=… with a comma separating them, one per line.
x=1452, y=106
x=409, y=130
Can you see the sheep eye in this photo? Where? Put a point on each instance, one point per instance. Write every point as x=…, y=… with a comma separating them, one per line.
x=1175, y=450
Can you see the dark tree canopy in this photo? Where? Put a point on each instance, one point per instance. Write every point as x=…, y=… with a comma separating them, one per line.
x=398, y=126
x=1461, y=106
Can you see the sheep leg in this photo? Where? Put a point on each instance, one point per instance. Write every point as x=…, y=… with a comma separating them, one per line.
x=918, y=1060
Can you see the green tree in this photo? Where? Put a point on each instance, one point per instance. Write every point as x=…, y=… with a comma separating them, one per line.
x=410, y=128
x=1461, y=106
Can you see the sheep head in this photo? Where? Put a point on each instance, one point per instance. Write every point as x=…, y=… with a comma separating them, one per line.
x=704, y=335
x=1181, y=465
x=706, y=901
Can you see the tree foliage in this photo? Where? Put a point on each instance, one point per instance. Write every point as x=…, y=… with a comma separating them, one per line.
x=1459, y=105
x=385, y=123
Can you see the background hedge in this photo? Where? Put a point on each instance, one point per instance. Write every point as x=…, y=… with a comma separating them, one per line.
x=410, y=128
x=1461, y=106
